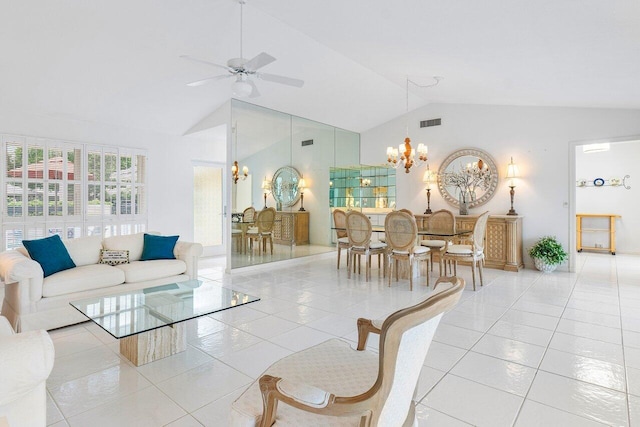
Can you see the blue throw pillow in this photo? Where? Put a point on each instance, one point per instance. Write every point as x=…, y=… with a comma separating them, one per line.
x=50, y=253
x=158, y=247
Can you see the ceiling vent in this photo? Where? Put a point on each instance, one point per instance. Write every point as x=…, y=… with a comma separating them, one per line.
x=307, y=142
x=429, y=123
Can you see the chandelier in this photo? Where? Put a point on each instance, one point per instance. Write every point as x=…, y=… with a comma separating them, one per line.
x=405, y=155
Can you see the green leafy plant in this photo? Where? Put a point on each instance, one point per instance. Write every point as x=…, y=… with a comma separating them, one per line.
x=549, y=250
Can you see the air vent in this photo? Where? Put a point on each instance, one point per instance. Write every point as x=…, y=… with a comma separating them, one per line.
x=307, y=142
x=429, y=123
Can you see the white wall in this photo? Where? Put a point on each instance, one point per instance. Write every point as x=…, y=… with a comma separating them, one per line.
x=170, y=171
x=622, y=159
x=538, y=138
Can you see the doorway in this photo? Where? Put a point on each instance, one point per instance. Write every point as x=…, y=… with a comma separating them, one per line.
x=208, y=212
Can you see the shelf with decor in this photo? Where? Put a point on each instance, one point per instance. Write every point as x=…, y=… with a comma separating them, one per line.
x=601, y=182
x=362, y=187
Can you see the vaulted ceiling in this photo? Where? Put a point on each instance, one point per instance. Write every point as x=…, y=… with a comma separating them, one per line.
x=117, y=61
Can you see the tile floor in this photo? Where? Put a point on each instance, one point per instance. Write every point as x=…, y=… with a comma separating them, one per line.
x=527, y=349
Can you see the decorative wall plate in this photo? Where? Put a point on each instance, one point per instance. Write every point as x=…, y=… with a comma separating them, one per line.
x=598, y=182
x=614, y=182
x=581, y=182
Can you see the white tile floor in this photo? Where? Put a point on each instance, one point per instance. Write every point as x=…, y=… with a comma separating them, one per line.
x=527, y=349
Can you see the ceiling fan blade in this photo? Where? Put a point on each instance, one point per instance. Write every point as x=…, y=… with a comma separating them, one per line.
x=202, y=61
x=259, y=61
x=254, y=89
x=208, y=79
x=281, y=79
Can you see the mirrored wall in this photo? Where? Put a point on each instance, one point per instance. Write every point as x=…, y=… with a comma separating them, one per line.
x=287, y=160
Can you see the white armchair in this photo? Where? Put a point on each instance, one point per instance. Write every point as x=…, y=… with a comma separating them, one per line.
x=333, y=384
x=26, y=360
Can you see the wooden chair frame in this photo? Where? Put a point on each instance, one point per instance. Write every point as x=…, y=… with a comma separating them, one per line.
x=475, y=256
x=264, y=221
x=370, y=404
x=340, y=223
x=359, y=233
x=401, y=234
x=443, y=220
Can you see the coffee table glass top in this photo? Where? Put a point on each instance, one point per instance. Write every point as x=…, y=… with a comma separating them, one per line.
x=129, y=313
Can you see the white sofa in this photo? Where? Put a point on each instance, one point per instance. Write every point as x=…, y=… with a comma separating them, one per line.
x=26, y=361
x=34, y=302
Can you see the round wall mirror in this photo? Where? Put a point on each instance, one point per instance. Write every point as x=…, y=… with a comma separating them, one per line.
x=284, y=186
x=469, y=173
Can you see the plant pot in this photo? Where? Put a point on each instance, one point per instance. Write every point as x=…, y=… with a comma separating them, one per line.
x=543, y=266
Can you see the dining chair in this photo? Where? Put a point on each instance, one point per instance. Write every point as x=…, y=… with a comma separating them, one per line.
x=263, y=231
x=340, y=224
x=442, y=220
x=406, y=211
x=249, y=214
x=359, y=235
x=473, y=253
x=236, y=236
x=401, y=232
x=332, y=384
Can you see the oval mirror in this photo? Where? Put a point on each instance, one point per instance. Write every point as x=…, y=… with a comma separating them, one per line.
x=284, y=186
x=470, y=173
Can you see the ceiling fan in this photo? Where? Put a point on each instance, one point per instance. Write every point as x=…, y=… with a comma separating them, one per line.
x=245, y=70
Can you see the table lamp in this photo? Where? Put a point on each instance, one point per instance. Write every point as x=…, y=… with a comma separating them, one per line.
x=512, y=173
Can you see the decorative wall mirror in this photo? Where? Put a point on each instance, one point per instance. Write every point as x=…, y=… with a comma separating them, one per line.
x=284, y=186
x=469, y=173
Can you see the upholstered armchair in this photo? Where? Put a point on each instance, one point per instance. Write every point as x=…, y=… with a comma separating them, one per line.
x=26, y=360
x=333, y=384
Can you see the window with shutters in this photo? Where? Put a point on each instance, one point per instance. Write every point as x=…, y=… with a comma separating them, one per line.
x=71, y=189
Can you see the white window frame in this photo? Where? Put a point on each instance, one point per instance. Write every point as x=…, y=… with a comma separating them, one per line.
x=39, y=226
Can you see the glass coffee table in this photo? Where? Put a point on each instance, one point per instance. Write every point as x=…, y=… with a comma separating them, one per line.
x=150, y=322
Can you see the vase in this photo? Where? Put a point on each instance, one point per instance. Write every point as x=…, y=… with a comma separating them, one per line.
x=543, y=266
x=464, y=205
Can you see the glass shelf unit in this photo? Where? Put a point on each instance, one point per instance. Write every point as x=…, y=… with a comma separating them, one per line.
x=362, y=187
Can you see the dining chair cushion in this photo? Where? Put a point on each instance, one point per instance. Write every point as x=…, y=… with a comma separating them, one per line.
x=332, y=366
x=235, y=231
x=343, y=240
x=252, y=230
x=460, y=250
x=433, y=243
x=416, y=251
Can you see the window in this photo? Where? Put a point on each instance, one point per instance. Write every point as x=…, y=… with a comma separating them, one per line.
x=71, y=189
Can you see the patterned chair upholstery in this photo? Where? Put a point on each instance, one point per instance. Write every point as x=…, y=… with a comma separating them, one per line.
x=340, y=224
x=359, y=234
x=473, y=253
x=263, y=231
x=401, y=233
x=442, y=220
x=332, y=384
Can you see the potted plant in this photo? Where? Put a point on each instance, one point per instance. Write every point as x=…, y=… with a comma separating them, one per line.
x=547, y=254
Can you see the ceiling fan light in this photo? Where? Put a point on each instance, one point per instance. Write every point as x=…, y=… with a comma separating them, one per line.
x=241, y=88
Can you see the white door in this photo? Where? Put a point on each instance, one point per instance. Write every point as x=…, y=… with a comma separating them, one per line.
x=208, y=218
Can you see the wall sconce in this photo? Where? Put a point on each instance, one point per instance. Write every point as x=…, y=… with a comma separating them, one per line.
x=266, y=189
x=302, y=184
x=428, y=178
x=235, y=169
x=512, y=173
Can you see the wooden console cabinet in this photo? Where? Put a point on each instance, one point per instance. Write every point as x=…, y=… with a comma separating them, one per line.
x=291, y=228
x=503, y=245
